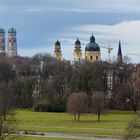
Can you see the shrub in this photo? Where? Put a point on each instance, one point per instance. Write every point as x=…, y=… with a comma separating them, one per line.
x=40, y=106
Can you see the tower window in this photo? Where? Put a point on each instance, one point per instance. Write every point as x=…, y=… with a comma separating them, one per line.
x=91, y=57
x=96, y=57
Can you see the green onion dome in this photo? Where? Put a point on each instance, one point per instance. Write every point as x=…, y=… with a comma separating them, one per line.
x=12, y=30
x=77, y=42
x=57, y=43
x=92, y=46
x=2, y=31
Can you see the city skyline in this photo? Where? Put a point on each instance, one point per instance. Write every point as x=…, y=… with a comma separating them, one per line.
x=40, y=23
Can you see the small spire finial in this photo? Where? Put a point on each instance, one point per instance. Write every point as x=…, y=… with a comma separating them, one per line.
x=92, y=39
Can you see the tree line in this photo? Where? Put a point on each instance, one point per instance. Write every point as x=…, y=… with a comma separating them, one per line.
x=44, y=84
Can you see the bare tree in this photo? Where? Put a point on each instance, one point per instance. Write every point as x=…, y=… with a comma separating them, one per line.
x=133, y=129
x=77, y=104
x=6, y=99
x=137, y=84
x=7, y=121
x=134, y=81
x=98, y=103
x=7, y=128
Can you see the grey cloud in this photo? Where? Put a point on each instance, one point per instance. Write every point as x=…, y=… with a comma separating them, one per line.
x=72, y=5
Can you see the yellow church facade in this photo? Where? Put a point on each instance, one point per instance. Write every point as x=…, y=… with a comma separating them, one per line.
x=92, y=56
x=92, y=51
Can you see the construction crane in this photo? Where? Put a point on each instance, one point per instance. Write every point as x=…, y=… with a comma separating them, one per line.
x=109, y=52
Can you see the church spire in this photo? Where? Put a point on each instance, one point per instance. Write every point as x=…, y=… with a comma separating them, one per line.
x=119, y=57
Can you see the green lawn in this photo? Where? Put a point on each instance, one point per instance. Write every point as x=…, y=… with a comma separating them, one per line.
x=34, y=138
x=112, y=123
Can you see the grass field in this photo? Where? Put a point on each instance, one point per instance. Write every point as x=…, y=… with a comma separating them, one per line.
x=112, y=123
x=34, y=138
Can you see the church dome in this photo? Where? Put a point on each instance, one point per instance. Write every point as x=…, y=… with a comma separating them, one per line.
x=2, y=31
x=12, y=30
x=57, y=43
x=77, y=42
x=92, y=46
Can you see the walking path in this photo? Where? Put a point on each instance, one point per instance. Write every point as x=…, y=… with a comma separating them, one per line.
x=63, y=135
x=75, y=128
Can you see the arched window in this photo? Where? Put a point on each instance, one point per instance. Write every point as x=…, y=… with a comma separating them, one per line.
x=96, y=57
x=91, y=57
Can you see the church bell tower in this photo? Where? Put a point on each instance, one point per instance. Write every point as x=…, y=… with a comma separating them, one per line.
x=77, y=51
x=57, y=51
x=12, y=43
x=2, y=41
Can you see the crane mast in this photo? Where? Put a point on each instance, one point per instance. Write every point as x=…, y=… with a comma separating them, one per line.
x=109, y=52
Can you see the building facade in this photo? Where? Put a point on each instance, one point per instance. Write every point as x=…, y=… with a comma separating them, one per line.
x=92, y=51
x=113, y=72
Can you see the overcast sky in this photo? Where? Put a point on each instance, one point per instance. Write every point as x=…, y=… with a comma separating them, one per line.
x=40, y=22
